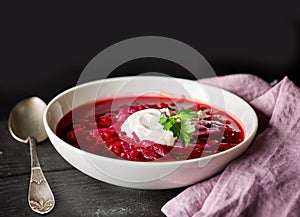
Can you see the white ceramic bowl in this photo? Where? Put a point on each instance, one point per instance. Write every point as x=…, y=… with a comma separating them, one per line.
x=148, y=175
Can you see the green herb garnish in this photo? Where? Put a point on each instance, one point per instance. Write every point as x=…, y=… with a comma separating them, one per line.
x=180, y=125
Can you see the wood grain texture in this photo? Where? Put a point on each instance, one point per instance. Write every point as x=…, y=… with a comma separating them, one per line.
x=79, y=195
x=76, y=194
x=15, y=156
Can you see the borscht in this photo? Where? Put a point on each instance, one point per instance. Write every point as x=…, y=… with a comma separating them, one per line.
x=150, y=128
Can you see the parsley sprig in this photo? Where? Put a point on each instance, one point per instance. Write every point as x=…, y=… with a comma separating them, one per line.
x=181, y=125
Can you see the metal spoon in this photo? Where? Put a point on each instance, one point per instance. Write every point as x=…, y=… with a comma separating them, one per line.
x=25, y=123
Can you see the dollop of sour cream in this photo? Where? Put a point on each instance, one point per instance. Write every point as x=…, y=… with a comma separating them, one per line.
x=145, y=124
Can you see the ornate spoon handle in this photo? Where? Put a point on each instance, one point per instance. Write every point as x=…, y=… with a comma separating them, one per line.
x=40, y=196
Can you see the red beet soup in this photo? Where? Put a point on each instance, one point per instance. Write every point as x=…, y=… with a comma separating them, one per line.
x=96, y=128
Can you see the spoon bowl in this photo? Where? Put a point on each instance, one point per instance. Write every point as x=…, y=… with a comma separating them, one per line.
x=25, y=120
x=25, y=123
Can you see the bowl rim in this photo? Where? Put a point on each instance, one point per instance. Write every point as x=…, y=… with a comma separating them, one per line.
x=151, y=163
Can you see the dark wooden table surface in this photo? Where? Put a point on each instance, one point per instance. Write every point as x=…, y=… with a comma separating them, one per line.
x=76, y=194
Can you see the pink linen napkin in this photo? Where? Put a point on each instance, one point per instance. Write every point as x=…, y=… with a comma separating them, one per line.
x=265, y=180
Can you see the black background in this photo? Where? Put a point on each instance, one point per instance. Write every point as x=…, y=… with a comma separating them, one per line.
x=45, y=46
